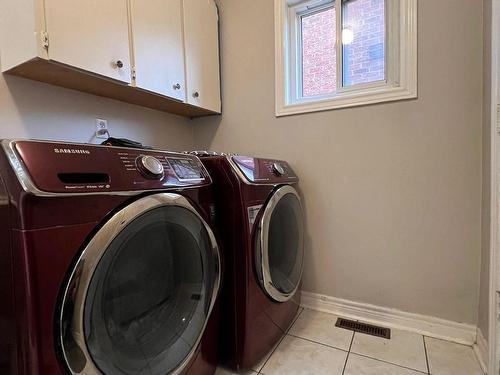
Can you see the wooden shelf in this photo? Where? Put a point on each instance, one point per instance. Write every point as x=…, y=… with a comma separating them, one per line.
x=63, y=75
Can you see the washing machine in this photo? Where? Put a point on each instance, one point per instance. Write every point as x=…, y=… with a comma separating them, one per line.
x=108, y=261
x=260, y=220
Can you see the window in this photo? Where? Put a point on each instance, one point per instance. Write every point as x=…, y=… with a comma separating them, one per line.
x=343, y=53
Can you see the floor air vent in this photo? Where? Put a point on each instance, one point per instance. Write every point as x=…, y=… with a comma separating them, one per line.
x=364, y=328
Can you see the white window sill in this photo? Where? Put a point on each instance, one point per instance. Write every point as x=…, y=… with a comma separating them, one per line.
x=346, y=99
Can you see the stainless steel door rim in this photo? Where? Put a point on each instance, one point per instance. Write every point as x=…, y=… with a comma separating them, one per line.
x=262, y=246
x=73, y=302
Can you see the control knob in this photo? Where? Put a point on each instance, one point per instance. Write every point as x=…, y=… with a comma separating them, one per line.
x=278, y=169
x=150, y=167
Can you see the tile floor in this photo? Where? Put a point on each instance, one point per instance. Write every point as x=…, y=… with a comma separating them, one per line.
x=314, y=345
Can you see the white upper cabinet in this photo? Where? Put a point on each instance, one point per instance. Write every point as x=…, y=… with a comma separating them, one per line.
x=161, y=54
x=158, y=46
x=90, y=34
x=201, y=35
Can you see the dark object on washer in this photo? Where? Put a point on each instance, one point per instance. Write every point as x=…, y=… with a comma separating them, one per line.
x=124, y=142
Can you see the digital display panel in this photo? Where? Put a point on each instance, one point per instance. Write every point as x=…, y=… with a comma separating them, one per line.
x=186, y=169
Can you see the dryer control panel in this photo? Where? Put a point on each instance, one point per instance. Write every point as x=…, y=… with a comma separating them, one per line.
x=263, y=171
x=50, y=167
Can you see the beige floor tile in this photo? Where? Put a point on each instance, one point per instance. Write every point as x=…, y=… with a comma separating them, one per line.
x=404, y=348
x=259, y=365
x=225, y=371
x=320, y=327
x=447, y=358
x=358, y=365
x=296, y=356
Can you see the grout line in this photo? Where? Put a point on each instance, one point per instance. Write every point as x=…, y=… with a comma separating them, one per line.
x=389, y=363
x=358, y=354
x=348, y=353
x=270, y=355
x=295, y=319
x=426, y=356
x=319, y=343
x=279, y=342
x=352, y=341
x=345, y=363
x=450, y=342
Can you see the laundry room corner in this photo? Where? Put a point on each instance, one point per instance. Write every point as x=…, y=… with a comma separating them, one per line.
x=392, y=191
x=264, y=187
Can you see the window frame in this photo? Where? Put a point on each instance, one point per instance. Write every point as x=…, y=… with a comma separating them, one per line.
x=400, y=59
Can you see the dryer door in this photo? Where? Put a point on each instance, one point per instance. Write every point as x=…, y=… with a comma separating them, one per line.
x=141, y=293
x=279, y=245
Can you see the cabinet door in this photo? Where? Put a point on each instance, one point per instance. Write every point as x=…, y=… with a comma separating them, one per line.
x=201, y=34
x=90, y=34
x=157, y=44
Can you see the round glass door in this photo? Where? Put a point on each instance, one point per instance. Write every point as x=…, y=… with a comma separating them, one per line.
x=280, y=245
x=148, y=281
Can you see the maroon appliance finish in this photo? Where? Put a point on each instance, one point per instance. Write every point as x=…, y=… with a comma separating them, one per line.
x=253, y=322
x=45, y=221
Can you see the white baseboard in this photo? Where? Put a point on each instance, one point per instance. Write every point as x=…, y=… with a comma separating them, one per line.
x=392, y=318
x=481, y=351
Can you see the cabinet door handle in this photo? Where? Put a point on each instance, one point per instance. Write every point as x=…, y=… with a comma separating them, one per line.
x=177, y=86
x=119, y=64
x=196, y=94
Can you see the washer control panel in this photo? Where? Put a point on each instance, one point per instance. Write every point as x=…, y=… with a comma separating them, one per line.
x=79, y=168
x=264, y=171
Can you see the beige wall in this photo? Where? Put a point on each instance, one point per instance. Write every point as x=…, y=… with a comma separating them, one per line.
x=483, y=318
x=31, y=109
x=392, y=192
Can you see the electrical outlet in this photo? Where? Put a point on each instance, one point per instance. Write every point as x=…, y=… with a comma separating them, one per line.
x=101, y=128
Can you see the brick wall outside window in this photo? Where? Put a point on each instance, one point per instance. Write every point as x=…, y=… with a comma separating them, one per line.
x=364, y=59
x=318, y=53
